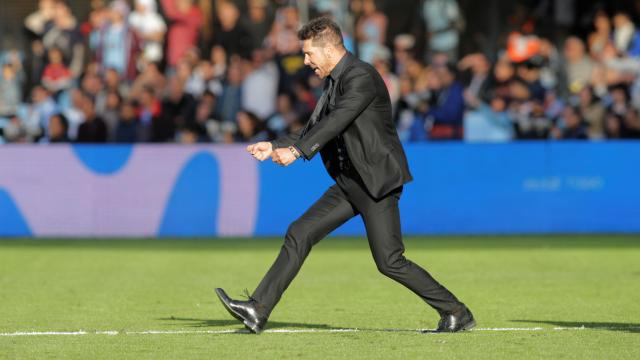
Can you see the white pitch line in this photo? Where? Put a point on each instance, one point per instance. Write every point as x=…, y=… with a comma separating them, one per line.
x=510, y=329
x=282, y=331
x=44, y=333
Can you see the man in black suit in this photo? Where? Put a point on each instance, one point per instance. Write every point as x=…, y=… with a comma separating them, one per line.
x=352, y=128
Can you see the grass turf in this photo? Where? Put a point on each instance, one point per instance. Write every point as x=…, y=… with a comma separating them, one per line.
x=139, y=285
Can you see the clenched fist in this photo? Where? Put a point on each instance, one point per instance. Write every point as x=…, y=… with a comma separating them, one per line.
x=283, y=156
x=261, y=151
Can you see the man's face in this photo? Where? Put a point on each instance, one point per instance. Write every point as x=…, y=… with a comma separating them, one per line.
x=315, y=57
x=55, y=126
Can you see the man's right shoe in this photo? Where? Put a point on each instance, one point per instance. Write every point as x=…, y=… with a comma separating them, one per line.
x=456, y=322
x=247, y=312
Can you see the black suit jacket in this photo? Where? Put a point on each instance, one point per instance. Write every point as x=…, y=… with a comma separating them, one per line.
x=359, y=111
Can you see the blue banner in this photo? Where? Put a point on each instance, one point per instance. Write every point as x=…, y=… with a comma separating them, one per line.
x=516, y=188
x=220, y=191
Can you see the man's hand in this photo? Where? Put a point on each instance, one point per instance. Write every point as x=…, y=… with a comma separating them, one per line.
x=261, y=150
x=283, y=156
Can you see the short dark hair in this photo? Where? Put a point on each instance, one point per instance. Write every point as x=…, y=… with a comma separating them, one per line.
x=321, y=30
x=64, y=122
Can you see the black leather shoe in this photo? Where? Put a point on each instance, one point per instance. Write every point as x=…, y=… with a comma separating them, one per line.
x=247, y=312
x=456, y=322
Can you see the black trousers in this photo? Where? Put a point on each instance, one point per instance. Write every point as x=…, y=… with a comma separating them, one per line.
x=342, y=201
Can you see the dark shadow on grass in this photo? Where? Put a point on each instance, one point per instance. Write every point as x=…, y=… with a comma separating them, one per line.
x=202, y=323
x=611, y=326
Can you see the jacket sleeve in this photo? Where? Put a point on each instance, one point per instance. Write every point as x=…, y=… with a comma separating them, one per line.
x=359, y=90
x=286, y=140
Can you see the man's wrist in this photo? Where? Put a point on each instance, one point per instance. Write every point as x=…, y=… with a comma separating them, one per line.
x=294, y=151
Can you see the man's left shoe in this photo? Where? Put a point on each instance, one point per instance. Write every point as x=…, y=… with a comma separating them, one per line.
x=247, y=312
x=456, y=322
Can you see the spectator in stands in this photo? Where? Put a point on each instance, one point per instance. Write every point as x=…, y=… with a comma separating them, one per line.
x=305, y=101
x=202, y=79
x=443, y=21
x=37, y=21
x=185, y=20
x=280, y=121
x=534, y=81
x=128, y=126
x=523, y=46
x=62, y=32
x=150, y=76
x=528, y=113
x=613, y=126
x=230, y=33
x=155, y=124
x=579, y=66
x=402, y=52
x=284, y=30
x=488, y=122
x=601, y=36
x=188, y=135
x=93, y=129
x=208, y=9
x=406, y=114
x=631, y=124
x=283, y=39
x=381, y=60
x=260, y=85
x=258, y=22
x=230, y=100
x=571, y=125
x=184, y=69
x=98, y=21
x=553, y=105
x=73, y=113
x=625, y=36
x=58, y=129
x=92, y=85
x=371, y=30
x=113, y=83
x=111, y=114
x=529, y=72
x=593, y=112
x=41, y=109
x=150, y=27
x=11, y=82
x=35, y=25
x=480, y=70
x=117, y=44
x=177, y=109
x=551, y=64
x=219, y=62
x=205, y=125
x=15, y=131
x=619, y=99
x=503, y=73
x=251, y=128
x=446, y=106
x=56, y=77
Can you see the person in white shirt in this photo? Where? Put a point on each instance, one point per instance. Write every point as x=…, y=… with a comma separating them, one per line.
x=150, y=28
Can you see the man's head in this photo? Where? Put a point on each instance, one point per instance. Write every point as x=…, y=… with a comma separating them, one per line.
x=322, y=45
x=58, y=126
x=571, y=116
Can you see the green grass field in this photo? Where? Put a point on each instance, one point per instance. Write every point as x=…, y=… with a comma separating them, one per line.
x=551, y=297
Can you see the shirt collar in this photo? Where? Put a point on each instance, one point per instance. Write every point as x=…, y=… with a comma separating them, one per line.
x=340, y=66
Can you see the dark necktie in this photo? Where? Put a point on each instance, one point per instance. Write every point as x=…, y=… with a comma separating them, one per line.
x=320, y=106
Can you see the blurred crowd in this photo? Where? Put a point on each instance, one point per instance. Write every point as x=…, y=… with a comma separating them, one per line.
x=232, y=71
